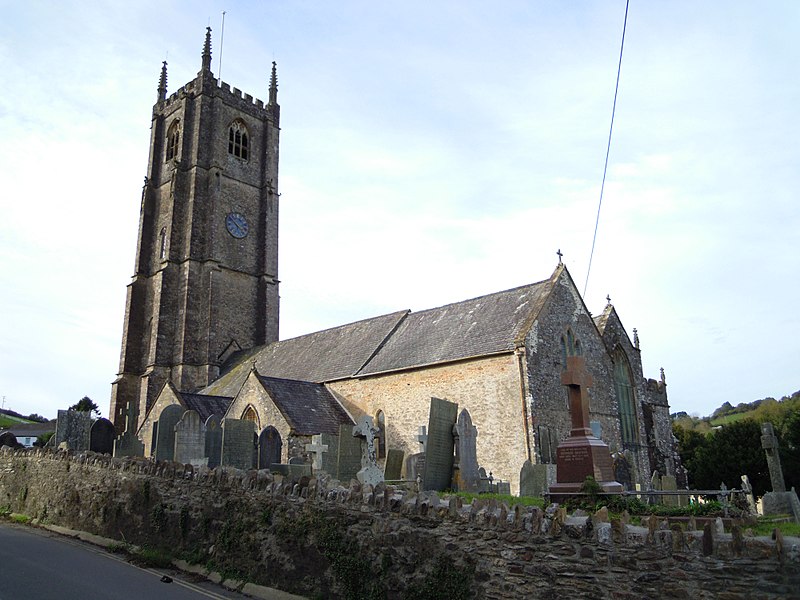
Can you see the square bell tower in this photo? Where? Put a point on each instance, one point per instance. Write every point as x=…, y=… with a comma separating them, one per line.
x=206, y=276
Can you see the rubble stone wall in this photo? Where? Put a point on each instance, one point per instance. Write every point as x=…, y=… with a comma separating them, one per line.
x=320, y=539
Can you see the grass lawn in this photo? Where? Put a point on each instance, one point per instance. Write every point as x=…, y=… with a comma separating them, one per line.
x=8, y=421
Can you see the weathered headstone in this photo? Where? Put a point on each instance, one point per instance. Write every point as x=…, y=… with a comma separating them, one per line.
x=270, y=447
x=317, y=449
x=73, y=428
x=668, y=484
x=415, y=466
x=237, y=443
x=770, y=445
x=422, y=437
x=370, y=472
x=747, y=490
x=128, y=444
x=465, y=467
x=622, y=470
x=190, y=439
x=504, y=487
x=393, y=469
x=101, y=436
x=582, y=454
x=213, y=442
x=535, y=480
x=483, y=481
x=440, y=445
x=165, y=437
x=349, y=454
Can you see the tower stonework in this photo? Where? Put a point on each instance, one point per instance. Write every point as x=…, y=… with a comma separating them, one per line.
x=206, y=273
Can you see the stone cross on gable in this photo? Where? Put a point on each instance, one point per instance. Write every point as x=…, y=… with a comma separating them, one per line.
x=317, y=448
x=770, y=445
x=577, y=379
x=422, y=437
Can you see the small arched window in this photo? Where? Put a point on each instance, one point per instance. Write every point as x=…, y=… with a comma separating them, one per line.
x=173, y=139
x=238, y=141
x=380, y=439
x=250, y=414
x=570, y=346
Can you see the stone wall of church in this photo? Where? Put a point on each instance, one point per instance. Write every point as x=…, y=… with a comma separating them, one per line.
x=489, y=388
x=341, y=542
x=550, y=416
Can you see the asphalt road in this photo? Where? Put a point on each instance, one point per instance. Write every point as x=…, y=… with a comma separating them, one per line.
x=39, y=565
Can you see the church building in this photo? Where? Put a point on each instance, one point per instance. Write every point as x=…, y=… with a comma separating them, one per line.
x=201, y=322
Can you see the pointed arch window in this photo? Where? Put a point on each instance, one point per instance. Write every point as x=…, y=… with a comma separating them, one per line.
x=626, y=400
x=380, y=439
x=173, y=139
x=570, y=346
x=250, y=414
x=163, y=251
x=238, y=140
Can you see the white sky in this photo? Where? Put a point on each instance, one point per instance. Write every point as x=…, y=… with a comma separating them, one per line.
x=431, y=152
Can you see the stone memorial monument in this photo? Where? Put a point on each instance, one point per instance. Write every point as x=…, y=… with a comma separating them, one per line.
x=128, y=444
x=237, y=443
x=465, y=465
x=348, y=456
x=370, y=472
x=72, y=428
x=101, y=437
x=440, y=445
x=581, y=455
x=778, y=501
x=213, y=442
x=393, y=469
x=190, y=440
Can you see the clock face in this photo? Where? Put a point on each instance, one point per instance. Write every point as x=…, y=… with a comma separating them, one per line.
x=236, y=225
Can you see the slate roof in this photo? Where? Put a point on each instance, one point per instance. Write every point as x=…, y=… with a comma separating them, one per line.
x=30, y=429
x=206, y=406
x=309, y=408
x=481, y=326
x=477, y=327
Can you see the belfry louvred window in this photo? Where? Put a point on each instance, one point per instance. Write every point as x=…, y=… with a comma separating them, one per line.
x=238, y=140
x=173, y=139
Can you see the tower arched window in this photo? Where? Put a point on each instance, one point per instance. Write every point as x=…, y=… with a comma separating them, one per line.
x=626, y=400
x=173, y=139
x=163, y=243
x=238, y=140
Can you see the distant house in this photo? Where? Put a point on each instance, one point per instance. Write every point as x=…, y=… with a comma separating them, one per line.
x=27, y=433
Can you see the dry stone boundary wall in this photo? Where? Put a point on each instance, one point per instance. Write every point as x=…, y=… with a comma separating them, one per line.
x=322, y=539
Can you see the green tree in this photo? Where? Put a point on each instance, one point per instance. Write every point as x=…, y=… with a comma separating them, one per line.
x=86, y=404
x=728, y=453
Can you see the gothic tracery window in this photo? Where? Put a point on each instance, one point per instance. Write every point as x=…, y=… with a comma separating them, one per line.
x=238, y=141
x=250, y=414
x=173, y=139
x=623, y=388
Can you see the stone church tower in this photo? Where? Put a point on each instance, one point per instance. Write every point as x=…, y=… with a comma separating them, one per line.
x=206, y=277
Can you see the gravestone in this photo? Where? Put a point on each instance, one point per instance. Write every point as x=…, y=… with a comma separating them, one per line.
x=153, y=439
x=747, y=490
x=72, y=428
x=582, y=454
x=415, y=466
x=101, y=437
x=483, y=481
x=190, y=440
x=213, y=441
x=422, y=437
x=237, y=443
x=370, y=472
x=317, y=449
x=393, y=469
x=331, y=457
x=270, y=447
x=622, y=470
x=128, y=444
x=9, y=439
x=770, y=445
x=504, y=487
x=165, y=436
x=535, y=480
x=668, y=484
x=440, y=445
x=465, y=466
x=348, y=457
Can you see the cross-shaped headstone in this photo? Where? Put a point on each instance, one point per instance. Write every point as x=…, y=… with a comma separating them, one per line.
x=317, y=448
x=422, y=437
x=577, y=379
x=367, y=430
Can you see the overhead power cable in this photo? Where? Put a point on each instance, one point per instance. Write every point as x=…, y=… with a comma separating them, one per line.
x=608, y=148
